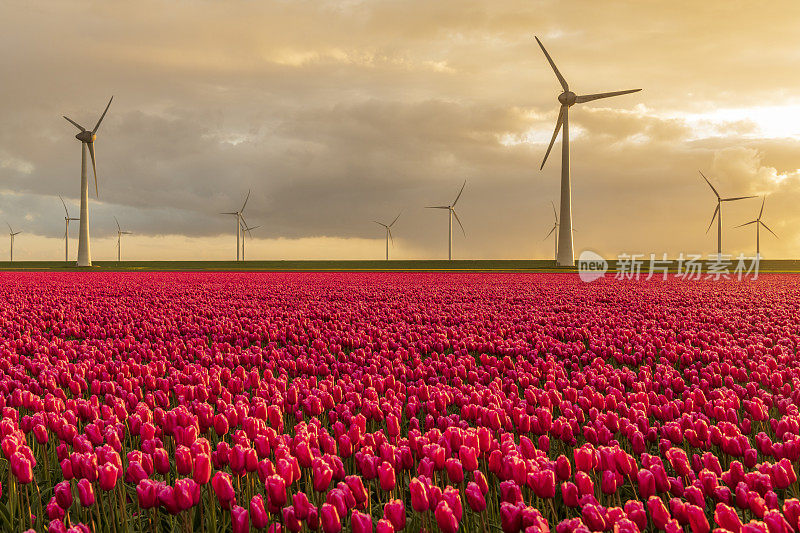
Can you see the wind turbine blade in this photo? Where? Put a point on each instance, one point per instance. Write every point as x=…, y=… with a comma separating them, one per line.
x=737, y=198
x=231, y=213
x=555, y=215
x=559, y=122
x=762, y=208
x=459, y=222
x=713, y=217
x=127, y=233
x=74, y=123
x=589, y=97
x=9, y=228
x=769, y=230
x=747, y=223
x=551, y=232
x=97, y=126
x=117, y=221
x=245, y=200
x=459, y=193
x=395, y=219
x=709, y=184
x=94, y=168
x=437, y=207
x=381, y=224
x=561, y=79
x=390, y=236
x=65, y=206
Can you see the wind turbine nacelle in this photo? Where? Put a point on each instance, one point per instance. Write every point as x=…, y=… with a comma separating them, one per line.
x=86, y=137
x=567, y=98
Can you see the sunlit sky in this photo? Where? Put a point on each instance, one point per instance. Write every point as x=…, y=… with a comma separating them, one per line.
x=336, y=114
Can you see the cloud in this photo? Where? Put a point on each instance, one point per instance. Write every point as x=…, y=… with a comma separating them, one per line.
x=338, y=113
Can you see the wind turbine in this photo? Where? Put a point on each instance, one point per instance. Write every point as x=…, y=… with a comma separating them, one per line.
x=718, y=213
x=120, y=233
x=451, y=212
x=12, y=234
x=554, y=229
x=239, y=219
x=67, y=218
x=758, y=224
x=388, y=232
x=566, y=254
x=87, y=139
x=246, y=229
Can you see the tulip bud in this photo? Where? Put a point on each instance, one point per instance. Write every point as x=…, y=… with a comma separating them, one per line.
x=240, y=520
x=445, y=518
x=223, y=488
x=85, y=493
x=329, y=518
x=258, y=513
x=63, y=494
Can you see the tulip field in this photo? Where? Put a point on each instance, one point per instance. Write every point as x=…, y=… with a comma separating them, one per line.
x=387, y=402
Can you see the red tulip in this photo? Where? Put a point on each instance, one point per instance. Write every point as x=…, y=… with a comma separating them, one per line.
x=258, y=513
x=240, y=520
x=63, y=494
x=386, y=476
x=360, y=522
x=445, y=518
x=419, y=496
x=223, y=489
x=85, y=493
x=329, y=518
x=475, y=498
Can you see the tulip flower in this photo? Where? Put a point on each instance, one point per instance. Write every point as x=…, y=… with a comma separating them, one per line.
x=445, y=518
x=223, y=489
x=85, y=493
x=240, y=520
x=360, y=522
x=329, y=519
x=419, y=496
x=386, y=476
x=63, y=494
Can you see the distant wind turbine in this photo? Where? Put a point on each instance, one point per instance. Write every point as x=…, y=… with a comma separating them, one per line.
x=451, y=213
x=758, y=224
x=718, y=213
x=12, y=233
x=67, y=219
x=246, y=229
x=554, y=230
x=388, y=232
x=566, y=254
x=87, y=139
x=120, y=233
x=238, y=215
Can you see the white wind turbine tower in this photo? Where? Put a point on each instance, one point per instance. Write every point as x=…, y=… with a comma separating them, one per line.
x=120, y=233
x=246, y=229
x=566, y=254
x=554, y=229
x=718, y=213
x=451, y=213
x=87, y=139
x=758, y=224
x=239, y=220
x=388, y=232
x=67, y=219
x=12, y=233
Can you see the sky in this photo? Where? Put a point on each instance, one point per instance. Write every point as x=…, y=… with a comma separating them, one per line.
x=338, y=113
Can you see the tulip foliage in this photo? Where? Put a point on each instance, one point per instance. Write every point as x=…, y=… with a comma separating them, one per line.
x=397, y=402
